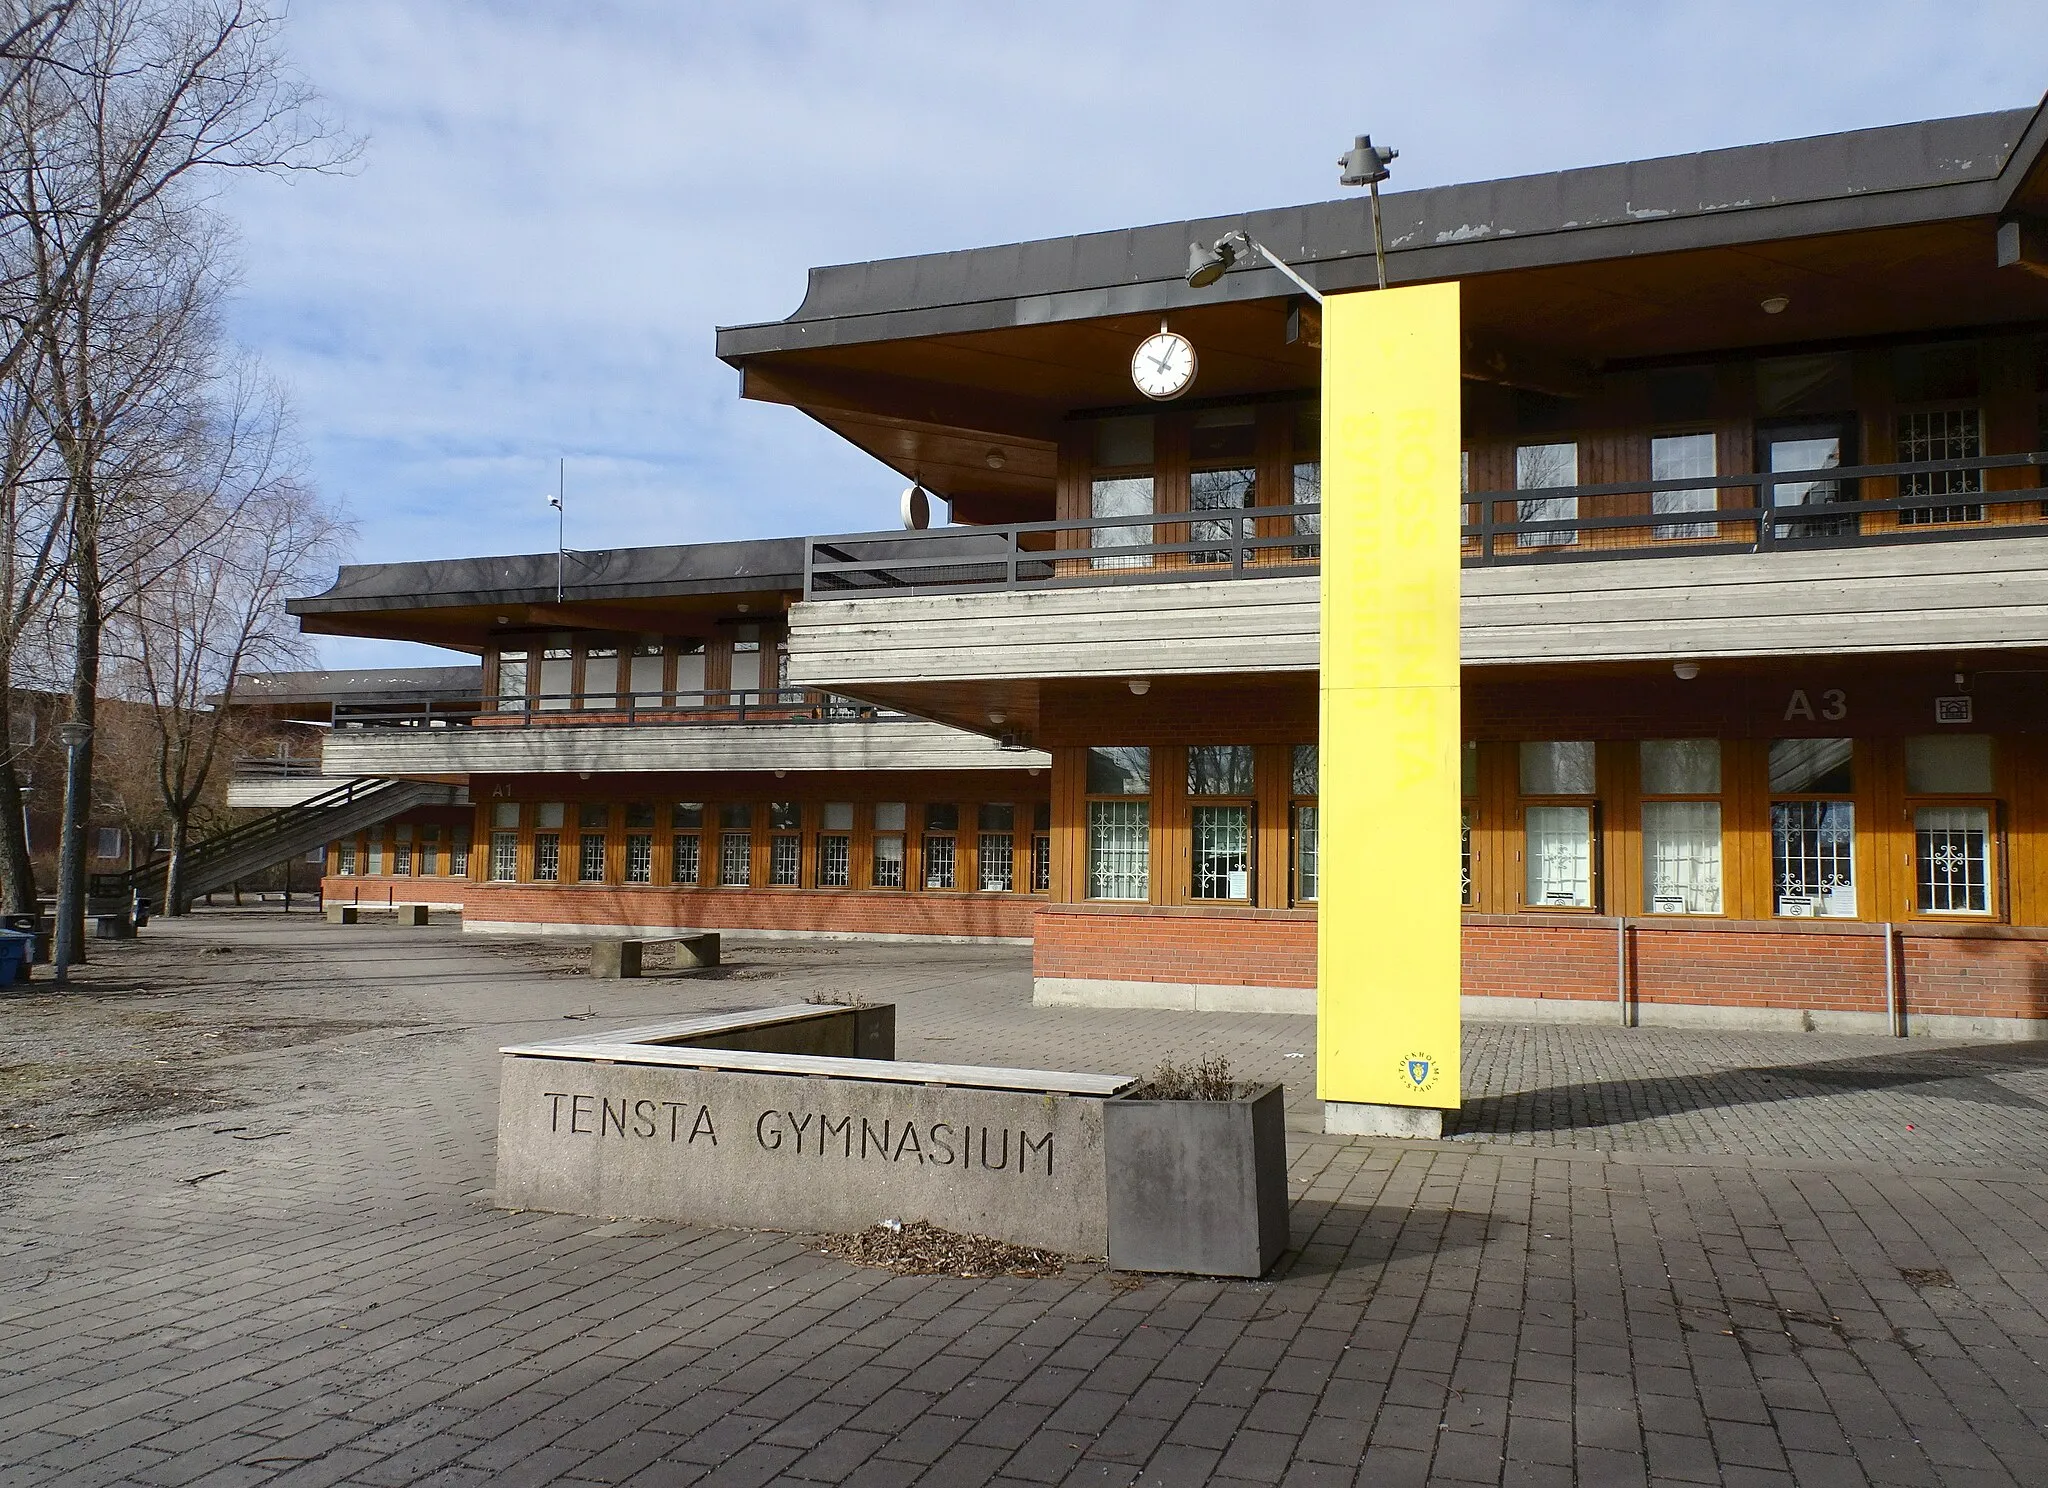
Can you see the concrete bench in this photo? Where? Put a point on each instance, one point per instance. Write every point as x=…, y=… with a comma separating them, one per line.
x=343, y=914
x=113, y=927
x=352, y=914
x=612, y=959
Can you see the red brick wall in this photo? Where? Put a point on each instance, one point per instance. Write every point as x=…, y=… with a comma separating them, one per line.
x=706, y=909
x=1977, y=972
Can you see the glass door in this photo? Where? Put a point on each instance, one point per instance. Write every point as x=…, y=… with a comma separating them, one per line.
x=1808, y=445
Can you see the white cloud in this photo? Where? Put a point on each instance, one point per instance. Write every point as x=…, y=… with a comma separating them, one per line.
x=559, y=203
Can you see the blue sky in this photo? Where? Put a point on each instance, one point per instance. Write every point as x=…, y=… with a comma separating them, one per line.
x=557, y=203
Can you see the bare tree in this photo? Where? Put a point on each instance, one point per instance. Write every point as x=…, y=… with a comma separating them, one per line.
x=192, y=629
x=117, y=118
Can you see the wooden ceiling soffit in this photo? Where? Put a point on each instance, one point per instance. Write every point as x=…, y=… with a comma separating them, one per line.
x=827, y=390
x=1487, y=360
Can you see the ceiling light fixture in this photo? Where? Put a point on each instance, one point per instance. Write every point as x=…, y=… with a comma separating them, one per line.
x=996, y=459
x=1775, y=304
x=1685, y=671
x=1139, y=686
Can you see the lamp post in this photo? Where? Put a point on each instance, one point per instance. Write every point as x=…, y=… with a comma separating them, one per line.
x=1365, y=164
x=68, y=949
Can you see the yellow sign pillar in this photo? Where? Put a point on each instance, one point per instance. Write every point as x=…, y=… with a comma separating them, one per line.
x=1387, y=976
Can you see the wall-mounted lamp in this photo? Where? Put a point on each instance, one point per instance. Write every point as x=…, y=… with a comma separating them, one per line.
x=1685, y=671
x=1207, y=265
x=1139, y=686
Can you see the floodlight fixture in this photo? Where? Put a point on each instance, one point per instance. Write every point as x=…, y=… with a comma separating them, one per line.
x=1207, y=265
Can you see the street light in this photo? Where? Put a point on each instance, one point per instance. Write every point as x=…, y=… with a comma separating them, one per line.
x=1365, y=164
x=71, y=852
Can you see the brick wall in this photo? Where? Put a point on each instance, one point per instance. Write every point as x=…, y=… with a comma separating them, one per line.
x=706, y=909
x=1975, y=972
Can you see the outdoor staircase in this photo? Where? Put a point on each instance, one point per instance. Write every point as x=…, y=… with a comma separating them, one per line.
x=292, y=831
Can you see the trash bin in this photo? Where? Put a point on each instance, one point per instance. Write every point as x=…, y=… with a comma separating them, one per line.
x=15, y=947
x=37, y=928
x=141, y=912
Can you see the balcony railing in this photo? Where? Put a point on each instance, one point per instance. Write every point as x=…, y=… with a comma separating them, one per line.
x=586, y=709
x=1853, y=506
x=275, y=767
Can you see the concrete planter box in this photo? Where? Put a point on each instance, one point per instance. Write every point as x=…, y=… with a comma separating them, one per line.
x=1197, y=1186
x=801, y=1118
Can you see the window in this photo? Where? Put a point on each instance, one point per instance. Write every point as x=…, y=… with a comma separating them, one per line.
x=786, y=844
x=1220, y=834
x=835, y=845
x=735, y=845
x=557, y=673
x=458, y=853
x=511, y=680
x=639, y=843
x=1680, y=457
x=1813, y=834
x=995, y=848
x=1120, y=823
x=686, y=822
x=592, y=819
x=504, y=856
x=1308, y=479
x=1122, y=488
x=600, y=677
x=1940, y=434
x=1558, y=854
x=373, y=851
x=1681, y=837
x=648, y=673
x=941, y=845
x=401, y=850
x=548, y=819
x=1306, y=821
x=430, y=849
x=1952, y=840
x=1468, y=787
x=1222, y=446
x=891, y=819
x=106, y=842
x=345, y=858
x=1041, y=848
x=746, y=661
x=689, y=674
x=1543, y=467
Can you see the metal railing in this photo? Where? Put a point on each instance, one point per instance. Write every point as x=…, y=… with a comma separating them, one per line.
x=1983, y=497
x=1230, y=542
x=587, y=709
x=275, y=767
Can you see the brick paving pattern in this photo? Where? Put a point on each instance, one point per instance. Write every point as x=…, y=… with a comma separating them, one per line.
x=1644, y=1257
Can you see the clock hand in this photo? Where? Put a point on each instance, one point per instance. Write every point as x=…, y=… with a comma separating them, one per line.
x=1164, y=364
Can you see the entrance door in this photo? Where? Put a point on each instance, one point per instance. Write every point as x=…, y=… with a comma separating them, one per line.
x=1807, y=444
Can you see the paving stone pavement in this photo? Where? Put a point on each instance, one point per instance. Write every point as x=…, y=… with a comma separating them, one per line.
x=1643, y=1257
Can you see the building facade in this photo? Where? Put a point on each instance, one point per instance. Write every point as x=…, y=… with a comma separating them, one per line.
x=1754, y=612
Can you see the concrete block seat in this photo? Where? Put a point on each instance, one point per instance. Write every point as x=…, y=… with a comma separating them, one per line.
x=613, y=959
x=800, y=1118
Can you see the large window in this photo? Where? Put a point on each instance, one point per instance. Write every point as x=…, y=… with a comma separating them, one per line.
x=1122, y=487
x=735, y=845
x=1681, y=781
x=1120, y=823
x=891, y=822
x=1558, y=848
x=600, y=678
x=1543, y=467
x=548, y=817
x=941, y=846
x=512, y=680
x=593, y=819
x=1308, y=479
x=785, y=844
x=746, y=661
x=1954, y=837
x=1468, y=788
x=686, y=844
x=835, y=845
x=557, y=678
x=1222, y=447
x=1220, y=791
x=401, y=849
x=647, y=673
x=1683, y=457
x=1941, y=434
x=1813, y=828
x=640, y=843
x=458, y=853
x=1305, y=822
x=504, y=841
x=995, y=848
x=345, y=857
x=1041, y=848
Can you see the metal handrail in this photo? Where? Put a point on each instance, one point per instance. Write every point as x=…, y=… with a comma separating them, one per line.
x=275, y=767
x=1242, y=542
x=609, y=709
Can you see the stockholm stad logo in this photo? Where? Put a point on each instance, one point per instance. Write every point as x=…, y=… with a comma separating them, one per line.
x=1420, y=1071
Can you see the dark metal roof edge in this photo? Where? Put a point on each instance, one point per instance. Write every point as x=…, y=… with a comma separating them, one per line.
x=1978, y=195
x=545, y=595
x=2027, y=152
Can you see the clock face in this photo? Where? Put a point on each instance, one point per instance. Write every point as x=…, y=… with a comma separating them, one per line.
x=1163, y=366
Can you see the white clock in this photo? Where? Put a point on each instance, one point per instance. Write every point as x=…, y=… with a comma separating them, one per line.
x=1163, y=366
